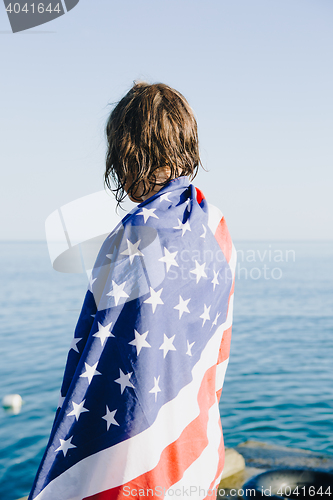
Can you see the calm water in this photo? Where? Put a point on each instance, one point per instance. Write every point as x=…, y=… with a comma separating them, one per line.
x=279, y=383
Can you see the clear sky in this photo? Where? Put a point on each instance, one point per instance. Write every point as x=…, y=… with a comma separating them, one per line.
x=258, y=74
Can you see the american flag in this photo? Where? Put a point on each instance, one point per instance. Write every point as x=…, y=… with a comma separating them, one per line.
x=138, y=413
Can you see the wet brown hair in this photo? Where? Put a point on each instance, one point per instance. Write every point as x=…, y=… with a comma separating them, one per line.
x=152, y=127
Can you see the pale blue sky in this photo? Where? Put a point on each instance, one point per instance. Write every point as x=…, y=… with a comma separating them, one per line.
x=258, y=74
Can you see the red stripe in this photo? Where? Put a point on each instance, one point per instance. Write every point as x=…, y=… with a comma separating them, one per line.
x=230, y=294
x=200, y=195
x=223, y=238
x=232, y=289
x=220, y=465
x=225, y=346
x=226, y=338
x=177, y=456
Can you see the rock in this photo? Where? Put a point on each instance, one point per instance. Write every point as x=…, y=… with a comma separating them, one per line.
x=13, y=403
x=234, y=462
x=268, y=456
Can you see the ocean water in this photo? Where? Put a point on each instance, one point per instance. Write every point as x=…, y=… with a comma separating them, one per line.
x=279, y=383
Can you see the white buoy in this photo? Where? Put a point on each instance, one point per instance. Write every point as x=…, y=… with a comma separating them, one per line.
x=12, y=402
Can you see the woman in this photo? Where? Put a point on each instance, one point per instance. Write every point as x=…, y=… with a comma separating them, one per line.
x=139, y=409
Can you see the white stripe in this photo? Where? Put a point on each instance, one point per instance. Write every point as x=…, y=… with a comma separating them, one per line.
x=198, y=477
x=127, y=460
x=218, y=479
x=220, y=373
x=214, y=217
x=222, y=367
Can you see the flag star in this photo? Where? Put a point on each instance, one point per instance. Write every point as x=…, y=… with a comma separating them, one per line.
x=184, y=227
x=169, y=258
x=215, y=281
x=140, y=341
x=61, y=401
x=91, y=282
x=92, y=315
x=165, y=197
x=124, y=380
x=132, y=250
x=156, y=388
x=74, y=343
x=189, y=347
x=117, y=291
x=168, y=345
x=109, y=417
x=77, y=409
x=216, y=318
x=182, y=306
x=188, y=204
x=90, y=371
x=65, y=445
x=148, y=212
x=154, y=299
x=199, y=270
x=205, y=314
x=103, y=332
x=204, y=233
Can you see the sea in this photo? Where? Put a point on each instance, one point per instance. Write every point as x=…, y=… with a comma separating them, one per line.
x=279, y=382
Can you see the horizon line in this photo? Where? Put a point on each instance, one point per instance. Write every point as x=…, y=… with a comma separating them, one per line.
x=235, y=240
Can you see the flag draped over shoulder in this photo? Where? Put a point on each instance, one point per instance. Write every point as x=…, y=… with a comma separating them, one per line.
x=138, y=413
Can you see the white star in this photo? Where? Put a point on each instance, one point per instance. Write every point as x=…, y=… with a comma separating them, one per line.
x=132, y=250
x=91, y=282
x=164, y=197
x=184, y=227
x=65, y=445
x=109, y=417
x=216, y=318
x=124, y=380
x=117, y=291
x=167, y=345
x=61, y=401
x=139, y=341
x=188, y=204
x=154, y=298
x=205, y=314
x=215, y=281
x=92, y=315
x=199, y=271
x=182, y=306
x=90, y=371
x=74, y=343
x=156, y=388
x=103, y=332
x=204, y=233
x=189, y=347
x=77, y=409
x=147, y=212
x=169, y=258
